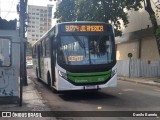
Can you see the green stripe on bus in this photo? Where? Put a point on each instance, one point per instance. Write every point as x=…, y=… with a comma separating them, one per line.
x=89, y=77
x=89, y=74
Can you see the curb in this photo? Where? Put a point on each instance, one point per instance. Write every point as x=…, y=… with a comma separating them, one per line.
x=150, y=83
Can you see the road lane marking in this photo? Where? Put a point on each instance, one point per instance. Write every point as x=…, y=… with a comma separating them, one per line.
x=120, y=93
x=128, y=89
x=99, y=107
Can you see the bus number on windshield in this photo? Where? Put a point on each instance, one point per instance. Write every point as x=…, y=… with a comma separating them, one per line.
x=75, y=58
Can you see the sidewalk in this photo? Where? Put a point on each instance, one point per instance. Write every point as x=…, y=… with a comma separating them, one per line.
x=141, y=80
x=32, y=101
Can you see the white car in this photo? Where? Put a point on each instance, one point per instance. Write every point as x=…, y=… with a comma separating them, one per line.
x=29, y=64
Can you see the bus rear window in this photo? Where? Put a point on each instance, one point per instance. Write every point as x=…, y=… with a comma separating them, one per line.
x=5, y=52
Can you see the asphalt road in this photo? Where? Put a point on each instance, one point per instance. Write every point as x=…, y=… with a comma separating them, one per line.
x=126, y=96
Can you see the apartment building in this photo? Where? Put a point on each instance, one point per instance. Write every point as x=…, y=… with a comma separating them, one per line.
x=39, y=22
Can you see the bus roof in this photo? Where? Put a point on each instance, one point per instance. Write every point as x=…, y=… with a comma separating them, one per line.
x=82, y=22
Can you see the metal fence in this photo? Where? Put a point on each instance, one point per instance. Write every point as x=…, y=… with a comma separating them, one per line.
x=138, y=68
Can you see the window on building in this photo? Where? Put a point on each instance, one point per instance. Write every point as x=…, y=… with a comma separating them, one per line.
x=49, y=20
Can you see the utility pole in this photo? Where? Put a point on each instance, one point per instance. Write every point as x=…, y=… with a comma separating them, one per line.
x=0, y=8
x=25, y=43
x=22, y=12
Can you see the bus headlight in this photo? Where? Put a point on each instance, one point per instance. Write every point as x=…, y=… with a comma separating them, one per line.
x=113, y=72
x=63, y=75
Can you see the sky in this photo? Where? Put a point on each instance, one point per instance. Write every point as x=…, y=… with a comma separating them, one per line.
x=8, y=9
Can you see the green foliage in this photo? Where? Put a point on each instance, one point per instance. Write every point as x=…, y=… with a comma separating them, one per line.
x=66, y=11
x=108, y=11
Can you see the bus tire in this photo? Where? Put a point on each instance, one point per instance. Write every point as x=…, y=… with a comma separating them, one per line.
x=54, y=91
x=37, y=75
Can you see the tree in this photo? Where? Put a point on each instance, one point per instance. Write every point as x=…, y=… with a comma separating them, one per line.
x=108, y=11
x=156, y=29
x=66, y=11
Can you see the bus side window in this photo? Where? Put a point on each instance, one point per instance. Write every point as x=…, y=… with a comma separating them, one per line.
x=33, y=52
x=41, y=49
x=44, y=48
x=47, y=48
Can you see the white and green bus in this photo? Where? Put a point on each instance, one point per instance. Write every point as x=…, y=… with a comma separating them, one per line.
x=77, y=56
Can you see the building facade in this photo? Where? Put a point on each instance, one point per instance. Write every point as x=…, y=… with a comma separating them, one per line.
x=39, y=22
x=138, y=37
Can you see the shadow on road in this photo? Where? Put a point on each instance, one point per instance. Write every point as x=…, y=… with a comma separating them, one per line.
x=85, y=95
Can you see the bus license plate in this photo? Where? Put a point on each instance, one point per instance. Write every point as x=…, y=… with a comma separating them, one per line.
x=91, y=87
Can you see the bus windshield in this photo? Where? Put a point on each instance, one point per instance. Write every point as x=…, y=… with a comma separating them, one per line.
x=85, y=50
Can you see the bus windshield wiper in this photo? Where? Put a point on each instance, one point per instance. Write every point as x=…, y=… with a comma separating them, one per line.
x=79, y=41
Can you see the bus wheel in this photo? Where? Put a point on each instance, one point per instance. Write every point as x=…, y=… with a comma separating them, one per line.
x=49, y=80
x=54, y=91
x=37, y=75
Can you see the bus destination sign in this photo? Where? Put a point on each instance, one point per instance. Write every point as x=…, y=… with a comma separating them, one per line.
x=84, y=28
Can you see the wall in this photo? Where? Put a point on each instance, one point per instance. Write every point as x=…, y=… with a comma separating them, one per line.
x=125, y=48
x=149, y=49
x=138, y=68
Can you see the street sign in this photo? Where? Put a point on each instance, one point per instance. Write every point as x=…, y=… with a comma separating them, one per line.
x=130, y=55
